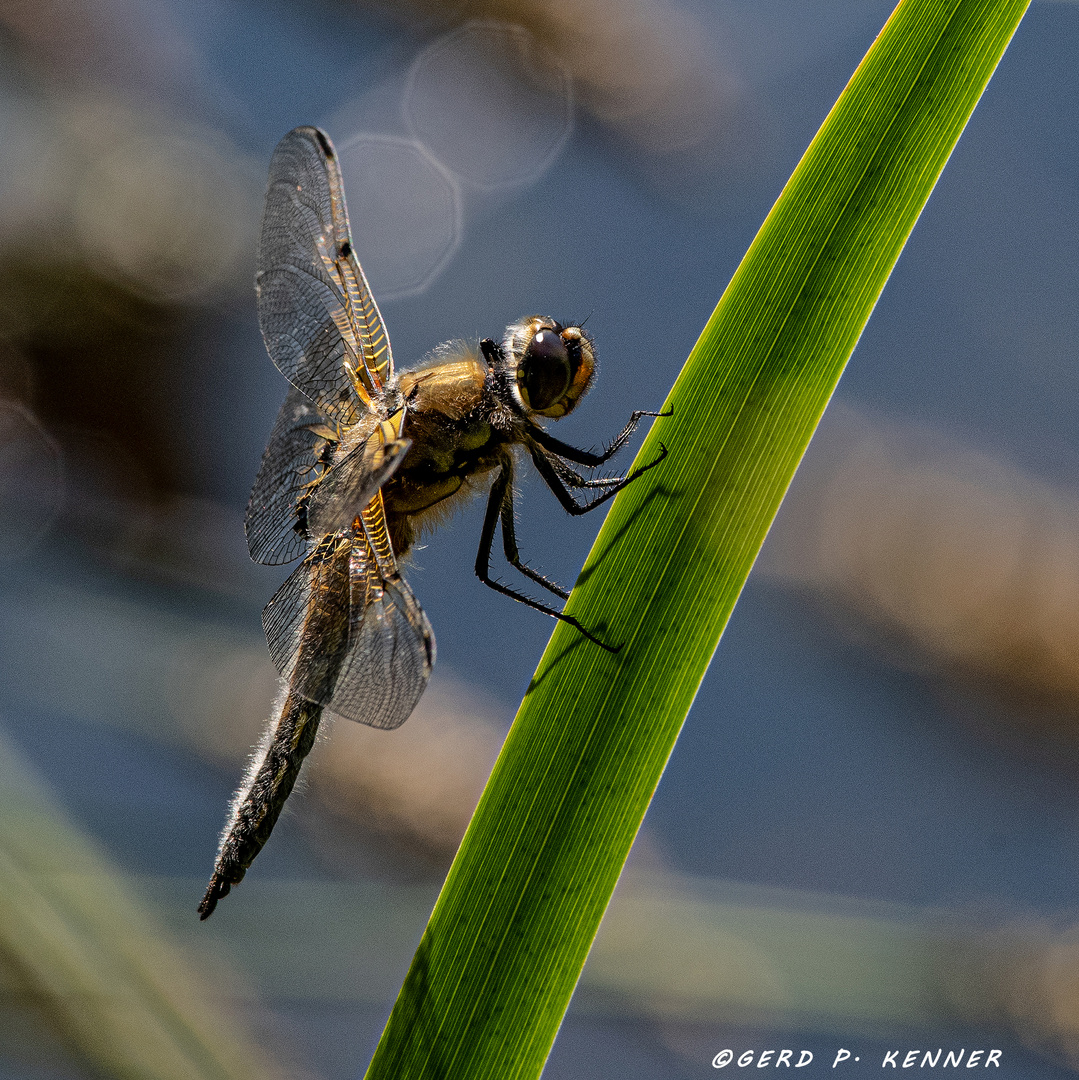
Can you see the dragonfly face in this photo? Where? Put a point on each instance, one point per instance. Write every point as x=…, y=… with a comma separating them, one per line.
x=548, y=366
x=360, y=461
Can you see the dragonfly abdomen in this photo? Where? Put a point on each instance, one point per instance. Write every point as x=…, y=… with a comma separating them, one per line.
x=259, y=801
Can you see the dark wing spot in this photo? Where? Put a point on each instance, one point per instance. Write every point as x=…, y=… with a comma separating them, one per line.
x=327, y=147
x=346, y=250
x=300, y=525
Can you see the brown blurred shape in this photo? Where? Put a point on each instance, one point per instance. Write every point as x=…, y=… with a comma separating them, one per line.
x=968, y=565
x=92, y=357
x=1024, y=975
x=120, y=227
x=121, y=222
x=417, y=787
x=643, y=69
x=128, y=45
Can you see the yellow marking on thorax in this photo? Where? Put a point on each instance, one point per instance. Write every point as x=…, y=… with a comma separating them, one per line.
x=358, y=323
x=373, y=518
x=390, y=428
x=362, y=313
x=358, y=384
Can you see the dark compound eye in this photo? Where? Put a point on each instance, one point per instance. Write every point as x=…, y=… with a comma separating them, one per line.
x=544, y=375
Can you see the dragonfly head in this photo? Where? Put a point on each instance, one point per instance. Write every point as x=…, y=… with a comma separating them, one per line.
x=552, y=366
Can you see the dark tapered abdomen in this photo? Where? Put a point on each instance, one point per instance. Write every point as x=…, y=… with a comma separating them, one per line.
x=259, y=804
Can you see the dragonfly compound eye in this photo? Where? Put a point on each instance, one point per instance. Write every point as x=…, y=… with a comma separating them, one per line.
x=544, y=374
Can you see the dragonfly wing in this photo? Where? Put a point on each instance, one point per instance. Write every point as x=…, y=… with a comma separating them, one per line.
x=391, y=648
x=296, y=456
x=316, y=310
x=307, y=621
x=348, y=638
x=354, y=482
x=299, y=495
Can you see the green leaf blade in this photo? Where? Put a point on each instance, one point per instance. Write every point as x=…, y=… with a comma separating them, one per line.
x=511, y=930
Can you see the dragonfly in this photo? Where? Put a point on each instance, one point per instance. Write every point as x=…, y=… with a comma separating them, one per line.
x=361, y=461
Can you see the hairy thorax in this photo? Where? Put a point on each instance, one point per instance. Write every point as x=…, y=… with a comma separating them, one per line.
x=456, y=440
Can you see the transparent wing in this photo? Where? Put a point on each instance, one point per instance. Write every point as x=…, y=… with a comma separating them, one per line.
x=391, y=648
x=298, y=495
x=306, y=622
x=353, y=482
x=349, y=639
x=316, y=310
x=296, y=456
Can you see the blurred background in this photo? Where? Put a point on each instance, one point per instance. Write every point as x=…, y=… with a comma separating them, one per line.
x=868, y=834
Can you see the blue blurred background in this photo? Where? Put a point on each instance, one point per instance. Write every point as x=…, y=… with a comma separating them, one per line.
x=868, y=834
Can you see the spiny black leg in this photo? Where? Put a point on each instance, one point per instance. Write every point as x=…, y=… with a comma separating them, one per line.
x=555, y=482
x=588, y=457
x=574, y=479
x=483, y=559
x=509, y=545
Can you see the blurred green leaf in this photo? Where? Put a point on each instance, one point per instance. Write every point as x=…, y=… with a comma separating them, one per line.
x=505, y=945
x=96, y=969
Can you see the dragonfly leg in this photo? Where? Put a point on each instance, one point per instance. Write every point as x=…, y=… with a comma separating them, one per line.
x=509, y=539
x=495, y=503
x=574, y=479
x=554, y=479
x=590, y=458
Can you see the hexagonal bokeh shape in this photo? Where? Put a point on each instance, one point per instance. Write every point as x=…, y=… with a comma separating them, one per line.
x=490, y=104
x=405, y=211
